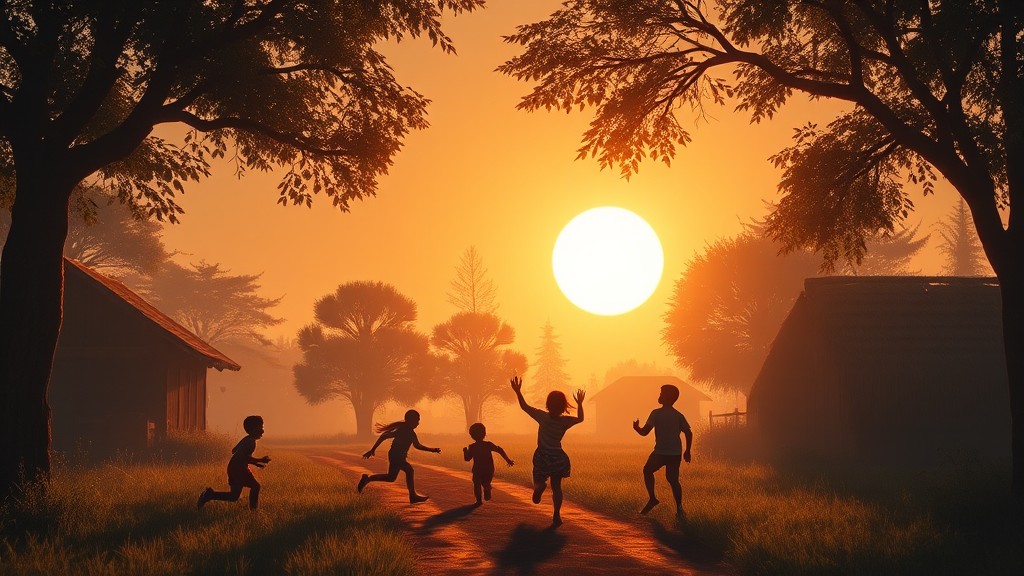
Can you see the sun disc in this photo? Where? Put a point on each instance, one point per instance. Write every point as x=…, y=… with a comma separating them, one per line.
x=608, y=261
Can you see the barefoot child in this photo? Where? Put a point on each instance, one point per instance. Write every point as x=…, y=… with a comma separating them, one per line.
x=239, y=474
x=667, y=423
x=549, y=460
x=483, y=461
x=403, y=436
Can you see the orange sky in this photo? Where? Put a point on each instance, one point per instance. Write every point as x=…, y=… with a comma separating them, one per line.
x=505, y=181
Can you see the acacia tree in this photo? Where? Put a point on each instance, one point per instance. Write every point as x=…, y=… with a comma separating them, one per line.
x=291, y=84
x=472, y=290
x=960, y=245
x=550, y=373
x=933, y=87
x=363, y=347
x=215, y=305
x=476, y=361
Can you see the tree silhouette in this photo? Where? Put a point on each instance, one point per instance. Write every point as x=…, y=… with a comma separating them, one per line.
x=472, y=290
x=934, y=88
x=291, y=84
x=960, y=245
x=731, y=300
x=476, y=360
x=363, y=347
x=213, y=304
x=550, y=371
x=106, y=236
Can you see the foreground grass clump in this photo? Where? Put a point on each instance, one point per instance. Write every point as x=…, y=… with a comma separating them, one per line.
x=762, y=519
x=122, y=519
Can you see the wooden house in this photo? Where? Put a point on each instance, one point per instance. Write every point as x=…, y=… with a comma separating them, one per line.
x=124, y=373
x=633, y=397
x=888, y=370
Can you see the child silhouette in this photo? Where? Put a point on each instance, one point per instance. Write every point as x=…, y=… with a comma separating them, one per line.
x=239, y=474
x=667, y=423
x=403, y=436
x=549, y=460
x=483, y=461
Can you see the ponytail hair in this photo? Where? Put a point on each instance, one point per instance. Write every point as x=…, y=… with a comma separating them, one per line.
x=409, y=417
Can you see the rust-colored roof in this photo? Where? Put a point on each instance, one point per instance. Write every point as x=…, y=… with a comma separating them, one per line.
x=178, y=332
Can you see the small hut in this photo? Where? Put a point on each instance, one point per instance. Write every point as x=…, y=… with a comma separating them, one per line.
x=633, y=397
x=887, y=369
x=124, y=373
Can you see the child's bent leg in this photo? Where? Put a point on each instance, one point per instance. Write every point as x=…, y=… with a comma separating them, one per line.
x=649, y=469
x=672, y=475
x=477, y=489
x=232, y=496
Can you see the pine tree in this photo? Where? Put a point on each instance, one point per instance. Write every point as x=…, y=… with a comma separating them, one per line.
x=960, y=245
x=550, y=363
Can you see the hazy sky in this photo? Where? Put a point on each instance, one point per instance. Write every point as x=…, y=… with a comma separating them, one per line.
x=506, y=181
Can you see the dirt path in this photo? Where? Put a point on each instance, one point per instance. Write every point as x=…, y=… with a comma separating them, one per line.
x=510, y=534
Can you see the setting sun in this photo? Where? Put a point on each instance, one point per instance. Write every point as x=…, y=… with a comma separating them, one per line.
x=607, y=261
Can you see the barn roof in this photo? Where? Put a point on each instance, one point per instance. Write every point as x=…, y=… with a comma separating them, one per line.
x=685, y=390
x=121, y=293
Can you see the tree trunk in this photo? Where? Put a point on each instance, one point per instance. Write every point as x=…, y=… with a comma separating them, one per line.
x=1011, y=285
x=474, y=407
x=31, y=292
x=364, y=419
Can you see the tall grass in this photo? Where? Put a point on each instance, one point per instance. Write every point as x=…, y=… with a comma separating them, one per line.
x=124, y=518
x=768, y=520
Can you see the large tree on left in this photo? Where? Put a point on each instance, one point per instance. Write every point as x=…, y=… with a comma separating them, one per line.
x=290, y=84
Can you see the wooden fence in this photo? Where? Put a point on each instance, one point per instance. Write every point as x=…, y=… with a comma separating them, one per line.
x=728, y=419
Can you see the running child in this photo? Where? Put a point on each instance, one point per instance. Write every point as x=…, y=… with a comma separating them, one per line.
x=239, y=474
x=403, y=435
x=483, y=461
x=549, y=460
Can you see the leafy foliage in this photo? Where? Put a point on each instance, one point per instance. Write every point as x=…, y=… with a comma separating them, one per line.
x=932, y=87
x=476, y=360
x=363, y=347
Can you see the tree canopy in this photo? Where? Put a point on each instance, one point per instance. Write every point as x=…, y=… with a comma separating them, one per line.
x=471, y=289
x=297, y=86
x=363, y=347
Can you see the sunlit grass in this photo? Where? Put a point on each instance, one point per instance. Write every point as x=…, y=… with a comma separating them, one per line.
x=141, y=519
x=765, y=521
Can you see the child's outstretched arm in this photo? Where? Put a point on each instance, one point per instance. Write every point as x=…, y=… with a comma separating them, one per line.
x=578, y=397
x=416, y=443
x=260, y=462
x=501, y=452
x=645, y=430
x=369, y=453
x=517, y=386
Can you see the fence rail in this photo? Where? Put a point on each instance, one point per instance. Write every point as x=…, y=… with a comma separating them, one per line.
x=728, y=418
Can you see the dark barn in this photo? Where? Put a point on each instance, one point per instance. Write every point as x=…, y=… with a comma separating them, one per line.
x=124, y=373
x=887, y=369
x=633, y=397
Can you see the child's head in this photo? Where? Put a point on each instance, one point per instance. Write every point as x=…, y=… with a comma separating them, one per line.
x=412, y=418
x=557, y=404
x=477, y=431
x=669, y=395
x=253, y=425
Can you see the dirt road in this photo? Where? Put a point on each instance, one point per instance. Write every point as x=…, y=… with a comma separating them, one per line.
x=510, y=534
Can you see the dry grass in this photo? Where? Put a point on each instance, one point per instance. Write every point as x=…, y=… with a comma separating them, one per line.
x=141, y=518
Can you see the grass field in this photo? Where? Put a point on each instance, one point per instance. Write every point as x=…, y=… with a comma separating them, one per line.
x=765, y=521
x=141, y=519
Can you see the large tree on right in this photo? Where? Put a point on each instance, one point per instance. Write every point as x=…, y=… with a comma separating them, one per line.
x=933, y=87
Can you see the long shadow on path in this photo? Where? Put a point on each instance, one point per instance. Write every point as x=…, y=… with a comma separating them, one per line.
x=446, y=517
x=529, y=546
